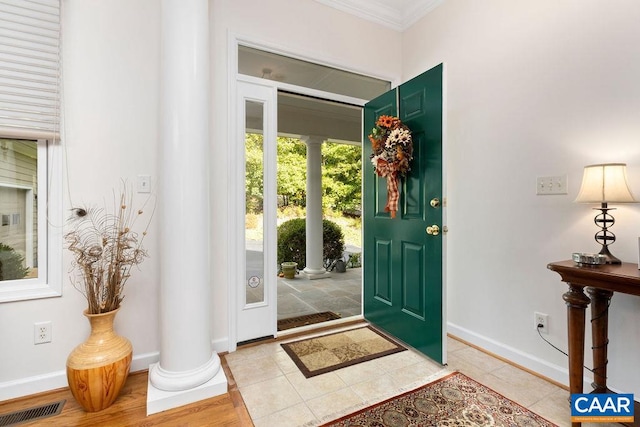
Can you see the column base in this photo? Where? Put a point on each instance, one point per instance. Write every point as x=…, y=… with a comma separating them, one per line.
x=160, y=400
x=166, y=380
x=312, y=273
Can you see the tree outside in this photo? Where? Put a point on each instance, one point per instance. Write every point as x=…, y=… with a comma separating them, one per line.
x=341, y=185
x=341, y=177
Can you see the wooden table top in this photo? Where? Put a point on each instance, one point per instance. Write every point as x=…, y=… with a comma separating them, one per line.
x=623, y=277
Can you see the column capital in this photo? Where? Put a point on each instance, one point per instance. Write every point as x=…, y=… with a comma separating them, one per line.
x=312, y=139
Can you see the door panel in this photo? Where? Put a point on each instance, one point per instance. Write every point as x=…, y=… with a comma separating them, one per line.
x=385, y=104
x=413, y=188
x=402, y=263
x=256, y=287
x=382, y=282
x=412, y=285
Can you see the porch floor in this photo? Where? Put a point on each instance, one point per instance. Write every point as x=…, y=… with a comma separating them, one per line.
x=340, y=293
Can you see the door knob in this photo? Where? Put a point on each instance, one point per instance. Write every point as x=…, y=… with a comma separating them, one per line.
x=433, y=230
x=435, y=202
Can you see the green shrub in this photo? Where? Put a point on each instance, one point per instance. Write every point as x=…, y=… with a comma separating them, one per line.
x=354, y=260
x=333, y=240
x=292, y=241
x=11, y=264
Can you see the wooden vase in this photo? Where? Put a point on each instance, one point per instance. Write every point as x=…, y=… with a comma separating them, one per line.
x=98, y=368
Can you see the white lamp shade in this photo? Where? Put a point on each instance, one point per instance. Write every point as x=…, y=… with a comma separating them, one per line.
x=605, y=183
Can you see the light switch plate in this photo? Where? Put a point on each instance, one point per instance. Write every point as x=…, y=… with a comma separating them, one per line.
x=144, y=184
x=548, y=185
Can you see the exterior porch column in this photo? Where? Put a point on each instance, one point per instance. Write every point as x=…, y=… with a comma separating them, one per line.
x=188, y=370
x=314, y=268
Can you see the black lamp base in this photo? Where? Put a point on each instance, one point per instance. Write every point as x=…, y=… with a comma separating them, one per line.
x=605, y=237
x=609, y=259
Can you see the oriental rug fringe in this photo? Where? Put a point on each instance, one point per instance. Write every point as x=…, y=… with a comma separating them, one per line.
x=454, y=400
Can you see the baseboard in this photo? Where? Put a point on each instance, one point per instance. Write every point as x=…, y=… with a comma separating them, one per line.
x=58, y=379
x=32, y=385
x=539, y=366
x=221, y=345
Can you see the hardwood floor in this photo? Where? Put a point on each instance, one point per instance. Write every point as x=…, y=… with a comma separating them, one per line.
x=130, y=408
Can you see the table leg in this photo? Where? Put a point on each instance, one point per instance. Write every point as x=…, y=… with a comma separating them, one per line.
x=577, y=303
x=600, y=336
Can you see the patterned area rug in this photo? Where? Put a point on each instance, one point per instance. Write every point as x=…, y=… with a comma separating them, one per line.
x=319, y=355
x=453, y=401
x=309, y=319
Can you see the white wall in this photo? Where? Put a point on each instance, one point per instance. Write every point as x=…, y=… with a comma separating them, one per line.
x=111, y=94
x=324, y=35
x=110, y=62
x=534, y=88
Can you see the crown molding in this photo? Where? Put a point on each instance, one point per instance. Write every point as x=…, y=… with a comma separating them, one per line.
x=415, y=10
x=397, y=14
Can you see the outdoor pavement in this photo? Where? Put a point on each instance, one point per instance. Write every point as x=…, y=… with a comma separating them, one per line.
x=340, y=293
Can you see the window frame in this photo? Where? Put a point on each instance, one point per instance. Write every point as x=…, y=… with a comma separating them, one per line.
x=49, y=281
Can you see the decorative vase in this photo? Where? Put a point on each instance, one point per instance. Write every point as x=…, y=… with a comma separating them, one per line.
x=98, y=368
x=289, y=269
x=341, y=266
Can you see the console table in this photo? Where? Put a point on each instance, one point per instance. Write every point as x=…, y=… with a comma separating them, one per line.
x=601, y=282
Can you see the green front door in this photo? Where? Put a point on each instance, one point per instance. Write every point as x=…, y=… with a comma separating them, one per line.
x=403, y=284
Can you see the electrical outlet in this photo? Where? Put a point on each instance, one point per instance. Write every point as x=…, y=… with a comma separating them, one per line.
x=541, y=319
x=42, y=332
x=547, y=185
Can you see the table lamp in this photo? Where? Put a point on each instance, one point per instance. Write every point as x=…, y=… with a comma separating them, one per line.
x=605, y=183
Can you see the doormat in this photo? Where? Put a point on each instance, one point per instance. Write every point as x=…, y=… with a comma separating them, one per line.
x=319, y=355
x=308, y=319
x=454, y=400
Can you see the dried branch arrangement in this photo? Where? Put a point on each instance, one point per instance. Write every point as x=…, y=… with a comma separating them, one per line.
x=105, y=248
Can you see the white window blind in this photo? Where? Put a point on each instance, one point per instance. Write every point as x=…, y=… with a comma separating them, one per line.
x=30, y=67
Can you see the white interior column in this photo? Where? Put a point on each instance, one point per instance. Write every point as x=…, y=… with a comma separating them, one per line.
x=188, y=369
x=314, y=268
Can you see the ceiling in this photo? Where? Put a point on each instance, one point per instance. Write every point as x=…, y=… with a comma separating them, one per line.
x=396, y=14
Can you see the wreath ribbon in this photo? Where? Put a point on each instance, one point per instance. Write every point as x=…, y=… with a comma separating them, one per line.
x=386, y=170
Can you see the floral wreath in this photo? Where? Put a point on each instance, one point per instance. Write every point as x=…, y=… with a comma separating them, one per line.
x=392, y=152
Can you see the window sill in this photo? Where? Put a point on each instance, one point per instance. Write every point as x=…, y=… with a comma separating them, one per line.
x=27, y=292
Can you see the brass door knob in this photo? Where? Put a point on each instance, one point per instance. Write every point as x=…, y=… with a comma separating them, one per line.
x=433, y=230
x=435, y=202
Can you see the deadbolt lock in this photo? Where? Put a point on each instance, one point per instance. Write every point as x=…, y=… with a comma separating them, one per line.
x=435, y=202
x=433, y=230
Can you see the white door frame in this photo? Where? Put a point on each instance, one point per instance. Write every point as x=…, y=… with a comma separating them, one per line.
x=259, y=319
x=236, y=183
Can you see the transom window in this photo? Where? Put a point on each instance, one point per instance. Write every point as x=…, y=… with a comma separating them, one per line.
x=292, y=71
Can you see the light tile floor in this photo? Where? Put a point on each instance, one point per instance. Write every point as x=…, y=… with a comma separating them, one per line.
x=277, y=394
